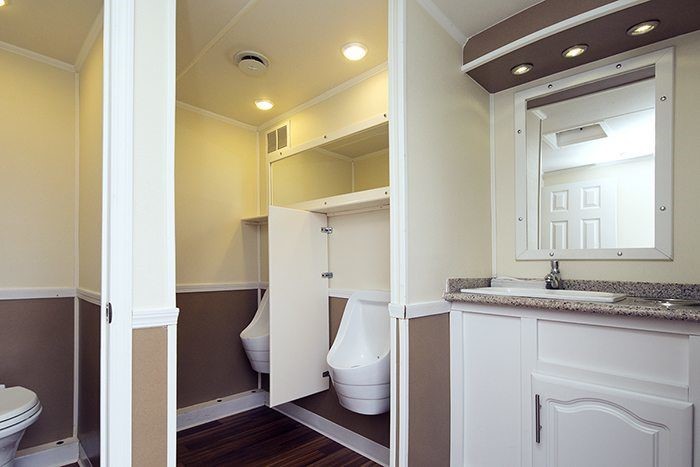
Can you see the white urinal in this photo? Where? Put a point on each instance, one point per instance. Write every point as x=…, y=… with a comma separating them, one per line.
x=359, y=356
x=256, y=337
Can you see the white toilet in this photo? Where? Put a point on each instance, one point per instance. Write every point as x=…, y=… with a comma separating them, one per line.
x=256, y=337
x=359, y=357
x=19, y=408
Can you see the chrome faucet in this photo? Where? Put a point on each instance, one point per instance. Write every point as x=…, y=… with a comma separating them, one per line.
x=553, y=279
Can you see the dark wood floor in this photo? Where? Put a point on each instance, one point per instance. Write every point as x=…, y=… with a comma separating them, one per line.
x=261, y=437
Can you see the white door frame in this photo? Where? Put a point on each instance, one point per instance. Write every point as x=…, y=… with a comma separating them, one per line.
x=117, y=241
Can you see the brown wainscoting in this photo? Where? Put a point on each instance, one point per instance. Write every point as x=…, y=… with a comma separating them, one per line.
x=429, y=390
x=211, y=362
x=89, y=380
x=37, y=349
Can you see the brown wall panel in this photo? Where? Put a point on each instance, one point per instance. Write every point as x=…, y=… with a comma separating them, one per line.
x=429, y=390
x=89, y=380
x=36, y=344
x=211, y=362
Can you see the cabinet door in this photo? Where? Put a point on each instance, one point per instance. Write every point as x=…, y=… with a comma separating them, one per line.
x=298, y=303
x=585, y=425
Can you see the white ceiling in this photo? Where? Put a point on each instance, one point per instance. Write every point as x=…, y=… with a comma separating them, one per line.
x=53, y=28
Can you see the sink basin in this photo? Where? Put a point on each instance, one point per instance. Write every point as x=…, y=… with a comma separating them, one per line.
x=572, y=295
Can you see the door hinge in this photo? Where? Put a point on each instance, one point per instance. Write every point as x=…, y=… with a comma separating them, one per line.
x=538, y=424
x=327, y=275
x=109, y=313
x=327, y=230
x=325, y=374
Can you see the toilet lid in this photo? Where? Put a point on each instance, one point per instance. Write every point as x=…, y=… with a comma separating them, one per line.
x=15, y=401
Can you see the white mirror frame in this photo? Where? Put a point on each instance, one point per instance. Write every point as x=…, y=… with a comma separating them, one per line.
x=663, y=61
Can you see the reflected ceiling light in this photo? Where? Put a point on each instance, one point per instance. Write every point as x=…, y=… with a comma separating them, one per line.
x=521, y=69
x=264, y=104
x=575, y=51
x=643, y=27
x=3, y=2
x=354, y=51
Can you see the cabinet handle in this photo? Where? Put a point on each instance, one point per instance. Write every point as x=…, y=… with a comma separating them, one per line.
x=538, y=426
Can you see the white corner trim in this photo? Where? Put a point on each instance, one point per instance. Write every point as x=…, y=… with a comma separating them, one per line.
x=205, y=412
x=441, y=18
x=90, y=39
x=223, y=287
x=89, y=296
x=49, y=454
x=404, y=393
x=325, y=96
x=153, y=318
x=37, y=56
x=595, y=13
x=215, y=116
x=397, y=311
x=25, y=293
x=419, y=310
x=171, y=422
x=358, y=443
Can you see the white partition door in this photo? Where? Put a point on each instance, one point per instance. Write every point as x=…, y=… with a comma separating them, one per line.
x=298, y=303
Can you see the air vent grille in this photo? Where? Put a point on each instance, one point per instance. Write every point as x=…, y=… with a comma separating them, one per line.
x=278, y=138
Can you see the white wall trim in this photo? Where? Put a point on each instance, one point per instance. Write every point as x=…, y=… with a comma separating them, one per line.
x=444, y=21
x=206, y=412
x=215, y=116
x=492, y=164
x=222, y=287
x=397, y=311
x=346, y=293
x=37, y=57
x=49, y=454
x=90, y=40
x=89, y=296
x=456, y=389
x=351, y=440
x=27, y=293
x=171, y=402
x=153, y=318
x=419, y=310
x=404, y=393
x=325, y=96
x=595, y=13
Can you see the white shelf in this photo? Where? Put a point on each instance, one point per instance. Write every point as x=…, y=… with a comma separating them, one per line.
x=259, y=220
x=359, y=201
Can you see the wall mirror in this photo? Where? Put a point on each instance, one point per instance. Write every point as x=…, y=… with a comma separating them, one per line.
x=594, y=163
x=351, y=163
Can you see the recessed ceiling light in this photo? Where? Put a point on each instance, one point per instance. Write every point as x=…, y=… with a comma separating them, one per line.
x=354, y=51
x=643, y=27
x=521, y=69
x=3, y=2
x=264, y=104
x=575, y=51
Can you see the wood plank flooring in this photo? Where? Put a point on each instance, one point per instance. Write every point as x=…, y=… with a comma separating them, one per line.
x=259, y=437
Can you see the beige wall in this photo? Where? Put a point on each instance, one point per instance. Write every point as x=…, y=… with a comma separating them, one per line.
x=686, y=226
x=37, y=173
x=372, y=171
x=447, y=141
x=215, y=187
x=90, y=211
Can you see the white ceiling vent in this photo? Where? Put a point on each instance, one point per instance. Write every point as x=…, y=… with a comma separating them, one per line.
x=251, y=63
x=580, y=135
x=278, y=138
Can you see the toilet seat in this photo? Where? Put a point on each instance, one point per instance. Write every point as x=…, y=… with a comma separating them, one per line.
x=17, y=405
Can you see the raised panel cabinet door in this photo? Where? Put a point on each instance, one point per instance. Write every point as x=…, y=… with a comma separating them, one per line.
x=298, y=255
x=585, y=425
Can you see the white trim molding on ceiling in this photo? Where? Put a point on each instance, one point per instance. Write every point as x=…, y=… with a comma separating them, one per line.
x=444, y=21
x=215, y=116
x=37, y=56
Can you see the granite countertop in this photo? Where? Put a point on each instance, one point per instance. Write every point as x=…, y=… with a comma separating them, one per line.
x=634, y=305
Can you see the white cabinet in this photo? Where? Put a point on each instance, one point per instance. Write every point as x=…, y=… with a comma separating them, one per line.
x=584, y=425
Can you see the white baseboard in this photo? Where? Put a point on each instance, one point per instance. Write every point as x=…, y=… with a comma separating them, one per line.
x=83, y=459
x=49, y=454
x=351, y=440
x=205, y=412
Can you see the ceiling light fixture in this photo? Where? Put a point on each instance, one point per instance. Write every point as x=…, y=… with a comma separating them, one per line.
x=3, y=2
x=643, y=27
x=575, y=50
x=354, y=51
x=521, y=69
x=264, y=104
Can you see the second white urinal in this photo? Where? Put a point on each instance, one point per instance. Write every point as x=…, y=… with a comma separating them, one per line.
x=359, y=357
x=256, y=337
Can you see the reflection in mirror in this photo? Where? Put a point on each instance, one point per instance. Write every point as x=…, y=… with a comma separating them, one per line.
x=590, y=165
x=357, y=162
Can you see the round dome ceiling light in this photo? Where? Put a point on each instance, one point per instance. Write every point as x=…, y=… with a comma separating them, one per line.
x=643, y=27
x=521, y=69
x=575, y=50
x=264, y=104
x=251, y=63
x=354, y=51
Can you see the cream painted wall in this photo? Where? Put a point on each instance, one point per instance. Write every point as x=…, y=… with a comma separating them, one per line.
x=372, y=171
x=37, y=173
x=447, y=156
x=90, y=187
x=215, y=186
x=686, y=228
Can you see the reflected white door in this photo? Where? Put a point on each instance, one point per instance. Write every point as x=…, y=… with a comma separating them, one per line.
x=298, y=254
x=580, y=215
x=586, y=425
